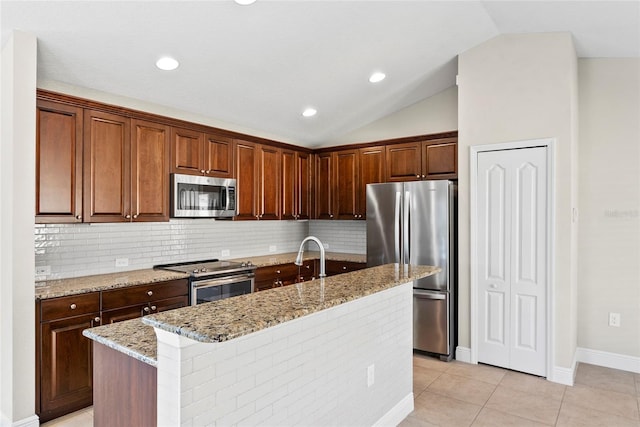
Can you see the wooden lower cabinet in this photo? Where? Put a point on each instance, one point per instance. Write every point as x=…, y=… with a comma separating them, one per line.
x=275, y=276
x=64, y=367
x=126, y=389
x=339, y=267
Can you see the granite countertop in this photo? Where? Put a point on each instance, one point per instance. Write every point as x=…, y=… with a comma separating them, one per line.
x=79, y=285
x=234, y=317
x=101, y=282
x=131, y=337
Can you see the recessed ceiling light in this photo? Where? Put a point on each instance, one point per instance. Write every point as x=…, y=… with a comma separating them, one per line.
x=245, y=2
x=309, y=112
x=377, y=77
x=167, y=63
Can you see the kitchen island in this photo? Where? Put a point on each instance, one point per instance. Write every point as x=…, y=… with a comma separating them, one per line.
x=330, y=351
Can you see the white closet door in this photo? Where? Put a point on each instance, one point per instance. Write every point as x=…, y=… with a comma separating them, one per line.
x=512, y=227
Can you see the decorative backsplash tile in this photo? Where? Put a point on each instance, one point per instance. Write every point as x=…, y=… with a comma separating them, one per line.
x=73, y=250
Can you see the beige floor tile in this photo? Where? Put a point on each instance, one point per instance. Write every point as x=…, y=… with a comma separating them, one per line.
x=443, y=410
x=542, y=409
x=486, y=373
x=492, y=418
x=532, y=384
x=412, y=421
x=462, y=388
x=430, y=362
x=606, y=378
x=422, y=378
x=572, y=415
x=82, y=418
x=602, y=400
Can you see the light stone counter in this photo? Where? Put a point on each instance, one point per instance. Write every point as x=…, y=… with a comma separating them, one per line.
x=131, y=337
x=234, y=317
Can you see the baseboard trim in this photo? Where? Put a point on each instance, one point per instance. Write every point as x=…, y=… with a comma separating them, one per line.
x=398, y=413
x=608, y=360
x=32, y=421
x=463, y=354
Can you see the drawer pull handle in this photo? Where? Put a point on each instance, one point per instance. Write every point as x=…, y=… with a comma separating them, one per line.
x=97, y=320
x=344, y=267
x=73, y=306
x=154, y=308
x=146, y=309
x=149, y=293
x=277, y=271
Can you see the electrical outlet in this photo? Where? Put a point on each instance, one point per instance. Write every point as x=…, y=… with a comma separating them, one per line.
x=273, y=248
x=122, y=262
x=614, y=319
x=371, y=375
x=44, y=270
x=225, y=252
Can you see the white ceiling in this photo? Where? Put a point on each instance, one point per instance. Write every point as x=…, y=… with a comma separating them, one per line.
x=257, y=67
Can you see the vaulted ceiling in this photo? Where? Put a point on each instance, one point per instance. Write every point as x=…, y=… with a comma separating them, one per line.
x=257, y=67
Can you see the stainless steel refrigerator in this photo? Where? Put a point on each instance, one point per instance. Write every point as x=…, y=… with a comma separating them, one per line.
x=416, y=223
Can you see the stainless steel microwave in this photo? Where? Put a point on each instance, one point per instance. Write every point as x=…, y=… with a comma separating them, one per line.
x=202, y=197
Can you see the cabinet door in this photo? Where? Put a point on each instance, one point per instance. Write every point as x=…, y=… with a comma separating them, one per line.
x=106, y=167
x=404, y=162
x=289, y=184
x=246, y=186
x=58, y=163
x=149, y=171
x=66, y=366
x=440, y=160
x=169, y=304
x=303, y=185
x=187, y=151
x=371, y=171
x=218, y=156
x=324, y=186
x=269, y=182
x=345, y=186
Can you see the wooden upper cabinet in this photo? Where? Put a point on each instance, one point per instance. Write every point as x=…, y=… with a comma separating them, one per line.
x=269, y=182
x=371, y=171
x=303, y=185
x=324, y=186
x=106, y=167
x=149, y=171
x=404, y=162
x=58, y=163
x=246, y=167
x=432, y=159
x=218, y=156
x=296, y=185
x=346, y=184
x=187, y=151
x=440, y=159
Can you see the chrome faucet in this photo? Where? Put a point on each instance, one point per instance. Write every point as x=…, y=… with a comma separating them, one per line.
x=301, y=251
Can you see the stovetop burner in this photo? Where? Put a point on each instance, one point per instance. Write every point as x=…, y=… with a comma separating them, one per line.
x=207, y=267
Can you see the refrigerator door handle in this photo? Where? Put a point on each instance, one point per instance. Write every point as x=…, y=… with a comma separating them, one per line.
x=405, y=224
x=428, y=295
x=397, y=237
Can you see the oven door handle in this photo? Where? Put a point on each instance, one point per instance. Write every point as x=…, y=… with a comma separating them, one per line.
x=222, y=280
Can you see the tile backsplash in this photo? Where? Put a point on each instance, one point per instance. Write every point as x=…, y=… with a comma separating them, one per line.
x=73, y=250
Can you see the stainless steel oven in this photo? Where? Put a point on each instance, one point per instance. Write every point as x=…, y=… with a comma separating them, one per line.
x=212, y=279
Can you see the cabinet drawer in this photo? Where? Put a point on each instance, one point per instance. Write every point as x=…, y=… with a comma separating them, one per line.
x=339, y=267
x=117, y=298
x=75, y=305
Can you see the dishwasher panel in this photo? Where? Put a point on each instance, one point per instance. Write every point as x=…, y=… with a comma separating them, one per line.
x=430, y=321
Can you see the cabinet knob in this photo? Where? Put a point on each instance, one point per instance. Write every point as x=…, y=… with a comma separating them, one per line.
x=73, y=306
x=308, y=266
x=208, y=171
x=201, y=170
x=330, y=215
x=127, y=216
x=146, y=309
x=78, y=216
x=135, y=216
x=96, y=319
x=423, y=176
x=277, y=271
x=417, y=176
x=149, y=293
x=154, y=308
x=344, y=267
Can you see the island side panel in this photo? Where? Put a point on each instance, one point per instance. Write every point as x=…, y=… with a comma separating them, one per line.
x=124, y=391
x=311, y=370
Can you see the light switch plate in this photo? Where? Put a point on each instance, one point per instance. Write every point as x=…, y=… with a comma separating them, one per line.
x=225, y=252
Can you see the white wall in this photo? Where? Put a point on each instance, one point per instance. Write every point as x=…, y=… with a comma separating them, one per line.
x=17, y=209
x=438, y=113
x=309, y=371
x=520, y=87
x=609, y=250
